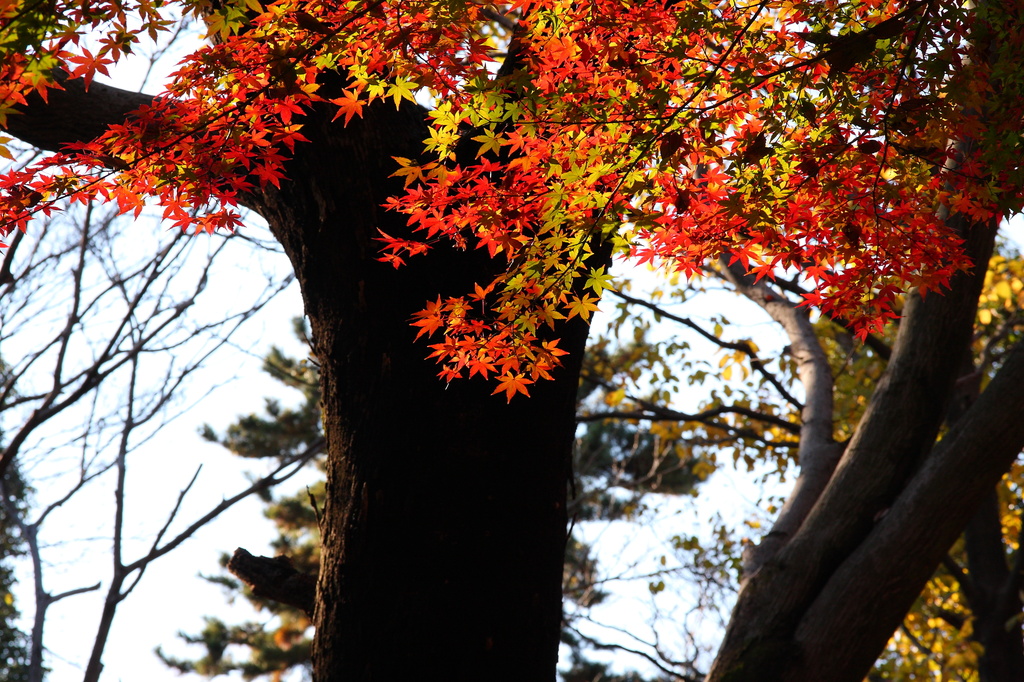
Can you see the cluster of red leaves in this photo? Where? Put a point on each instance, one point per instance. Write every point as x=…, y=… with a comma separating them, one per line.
x=230, y=113
x=828, y=139
x=816, y=138
x=36, y=37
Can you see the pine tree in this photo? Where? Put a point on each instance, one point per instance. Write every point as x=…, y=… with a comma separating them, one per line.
x=277, y=434
x=14, y=644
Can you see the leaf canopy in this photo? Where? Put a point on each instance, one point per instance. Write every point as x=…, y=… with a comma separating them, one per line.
x=849, y=143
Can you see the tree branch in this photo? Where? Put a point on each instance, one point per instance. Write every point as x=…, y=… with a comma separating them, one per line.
x=636, y=652
x=756, y=362
x=657, y=413
x=963, y=468
x=894, y=436
x=77, y=590
x=818, y=453
x=73, y=114
x=274, y=578
x=872, y=341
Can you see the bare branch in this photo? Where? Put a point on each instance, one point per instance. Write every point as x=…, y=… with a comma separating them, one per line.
x=818, y=453
x=756, y=362
x=656, y=413
x=173, y=514
x=675, y=674
x=71, y=593
x=279, y=475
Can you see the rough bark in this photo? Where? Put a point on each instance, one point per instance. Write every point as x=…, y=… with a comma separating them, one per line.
x=445, y=523
x=445, y=520
x=867, y=597
x=894, y=437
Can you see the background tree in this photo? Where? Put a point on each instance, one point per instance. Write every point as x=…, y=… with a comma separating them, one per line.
x=746, y=387
x=14, y=644
x=101, y=341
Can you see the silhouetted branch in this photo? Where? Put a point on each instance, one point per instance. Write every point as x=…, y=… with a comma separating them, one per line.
x=274, y=578
x=756, y=362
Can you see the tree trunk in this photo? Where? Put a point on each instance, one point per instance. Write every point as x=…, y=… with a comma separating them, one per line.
x=824, y=606
x=445, y=524
x=993, y=594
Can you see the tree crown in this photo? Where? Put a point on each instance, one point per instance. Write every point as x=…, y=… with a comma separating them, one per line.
x=850, y=144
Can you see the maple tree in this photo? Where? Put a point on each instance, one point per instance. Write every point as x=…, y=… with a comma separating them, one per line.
x=862, y=148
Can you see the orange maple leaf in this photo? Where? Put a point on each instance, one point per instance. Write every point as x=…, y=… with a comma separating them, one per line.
x=511, y=384
x=349, y=105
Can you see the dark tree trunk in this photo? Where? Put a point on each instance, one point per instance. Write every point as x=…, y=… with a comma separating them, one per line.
x=993, y=593
x=445, y=524
x=825, y=604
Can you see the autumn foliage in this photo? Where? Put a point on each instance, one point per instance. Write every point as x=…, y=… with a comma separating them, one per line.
x=822, y=140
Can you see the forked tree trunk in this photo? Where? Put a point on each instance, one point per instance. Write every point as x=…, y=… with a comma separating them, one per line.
x=824, y=605
x=445, y=524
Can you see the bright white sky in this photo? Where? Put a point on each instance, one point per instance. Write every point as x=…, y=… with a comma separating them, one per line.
x=171, y=596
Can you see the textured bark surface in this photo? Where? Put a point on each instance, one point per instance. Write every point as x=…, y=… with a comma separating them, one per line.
x=778, y=627
x=445, y=525
x=880, y=580
x=445, y=521
x=990, y=580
